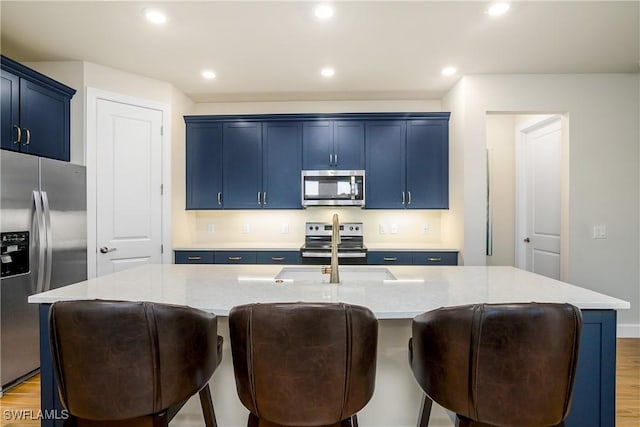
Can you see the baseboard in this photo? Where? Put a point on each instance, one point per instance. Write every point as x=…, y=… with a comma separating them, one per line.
x=629, y=330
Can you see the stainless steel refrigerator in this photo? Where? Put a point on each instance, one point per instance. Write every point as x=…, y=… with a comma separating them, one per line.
x=43, y=229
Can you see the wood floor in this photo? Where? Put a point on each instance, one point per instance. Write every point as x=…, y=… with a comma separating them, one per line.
x=25, y=399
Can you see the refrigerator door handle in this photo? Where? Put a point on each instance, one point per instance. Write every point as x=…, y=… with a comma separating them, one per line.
x=37, y=202
x=49, y=243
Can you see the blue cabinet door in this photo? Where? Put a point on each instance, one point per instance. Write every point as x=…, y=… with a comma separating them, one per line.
x=282, y=162
x=427, y=164
x=385, y=160
x=9, y=119
x=242, y=174
x=348, y=145
x=45, y=121
x=204, y=166
x=317, y=145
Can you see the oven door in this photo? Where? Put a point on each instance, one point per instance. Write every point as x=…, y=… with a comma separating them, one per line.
x=332, y=188
x=319, y=257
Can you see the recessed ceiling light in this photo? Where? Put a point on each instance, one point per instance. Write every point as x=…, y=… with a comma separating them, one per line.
x=323, y=11
x=327, y=72
x=208, y=74
x=449, y=71
x=498, y=9
x=155, y=16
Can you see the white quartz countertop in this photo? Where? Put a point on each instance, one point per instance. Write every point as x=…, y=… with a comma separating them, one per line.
x=408, y=247
x=218, y=288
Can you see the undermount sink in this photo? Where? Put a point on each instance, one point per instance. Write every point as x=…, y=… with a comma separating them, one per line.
x=347, y=274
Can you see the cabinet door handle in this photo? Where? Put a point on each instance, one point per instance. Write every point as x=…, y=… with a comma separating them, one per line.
x=234, y=258
x=19, y=134
x=264, y=198
x=28, y=141
x=277, y=258
x=335, y=160
x=193, y=258
x=409, y=193
x=330, y=159
x=403, y=197
x=389, y=259
x=434, y=259
x=220, y=198
x=259, y=198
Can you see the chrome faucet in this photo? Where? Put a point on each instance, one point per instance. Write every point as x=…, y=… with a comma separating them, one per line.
x=334, y=274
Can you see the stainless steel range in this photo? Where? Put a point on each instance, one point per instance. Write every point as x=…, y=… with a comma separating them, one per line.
x=317, y=244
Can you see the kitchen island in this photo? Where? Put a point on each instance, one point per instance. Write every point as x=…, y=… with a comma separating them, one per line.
x=394, y=294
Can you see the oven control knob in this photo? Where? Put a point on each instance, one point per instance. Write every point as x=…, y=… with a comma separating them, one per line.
x=357, y=228
x=310, y=227
x=351, y=228
x=317, y=228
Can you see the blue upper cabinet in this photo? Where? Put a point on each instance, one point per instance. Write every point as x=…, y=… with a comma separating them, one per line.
x=385, y=155
x=333, y=144
x=35, y=112
x=408, y=164
x=204, y=166
x=254, y=161
x=317, y=145
x=427, y=164
x=348, y=148
x=242, y=170
x=281, y=165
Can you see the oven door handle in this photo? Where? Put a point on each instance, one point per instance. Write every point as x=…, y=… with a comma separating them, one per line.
x=309, y=254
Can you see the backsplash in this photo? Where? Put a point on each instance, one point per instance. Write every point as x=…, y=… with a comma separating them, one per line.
x=287, y=226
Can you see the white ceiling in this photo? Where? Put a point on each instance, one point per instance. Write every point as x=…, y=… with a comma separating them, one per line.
x=274, y=50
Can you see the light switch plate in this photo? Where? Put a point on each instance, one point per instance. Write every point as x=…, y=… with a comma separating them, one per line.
x=284, y=229
x=394, y=228
x=211, y=228
x=382, y=229
x=246, y=228
x=599, y=231
x=425, y=228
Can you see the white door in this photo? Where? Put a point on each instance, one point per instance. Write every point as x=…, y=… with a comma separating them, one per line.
x=128, y=185
x=540, y=235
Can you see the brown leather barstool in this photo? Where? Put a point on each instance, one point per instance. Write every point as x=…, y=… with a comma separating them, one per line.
x=502, y=365
x=303, y=364
x=132, y=363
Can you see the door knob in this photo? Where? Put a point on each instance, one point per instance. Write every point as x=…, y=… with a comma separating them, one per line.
x=104, y=250
x=527, y=240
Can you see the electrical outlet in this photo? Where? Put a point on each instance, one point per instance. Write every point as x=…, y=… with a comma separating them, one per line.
x=211, y=228
x=425, y=228
x=246, y=228
x=394, y=228
x=382, y=229
x=284, y=229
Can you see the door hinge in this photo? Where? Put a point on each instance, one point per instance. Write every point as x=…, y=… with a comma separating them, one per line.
x=161, y=249
x=161, y=189
x=161, y=130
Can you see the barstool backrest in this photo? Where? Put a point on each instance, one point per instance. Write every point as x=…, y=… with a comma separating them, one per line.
x=500, y=364
x=303, y=364
x=116, y=360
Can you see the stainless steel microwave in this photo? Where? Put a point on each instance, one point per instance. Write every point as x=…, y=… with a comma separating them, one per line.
x=332, y=187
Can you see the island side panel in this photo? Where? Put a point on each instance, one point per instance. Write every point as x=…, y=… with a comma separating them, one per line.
x=594, y=392
x=52, y=409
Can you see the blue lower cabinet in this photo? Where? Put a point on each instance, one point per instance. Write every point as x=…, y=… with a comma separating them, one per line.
x=235, y=257
x=278, y=257
x=389, y=258
x=435, y=258
x=194, y=257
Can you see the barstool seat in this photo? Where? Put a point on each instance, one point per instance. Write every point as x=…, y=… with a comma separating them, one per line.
x=494, y=365
x=303, y=364
x=132, y=363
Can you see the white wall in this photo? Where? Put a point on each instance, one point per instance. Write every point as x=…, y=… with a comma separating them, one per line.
x=604, y=112
x=501, y=146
